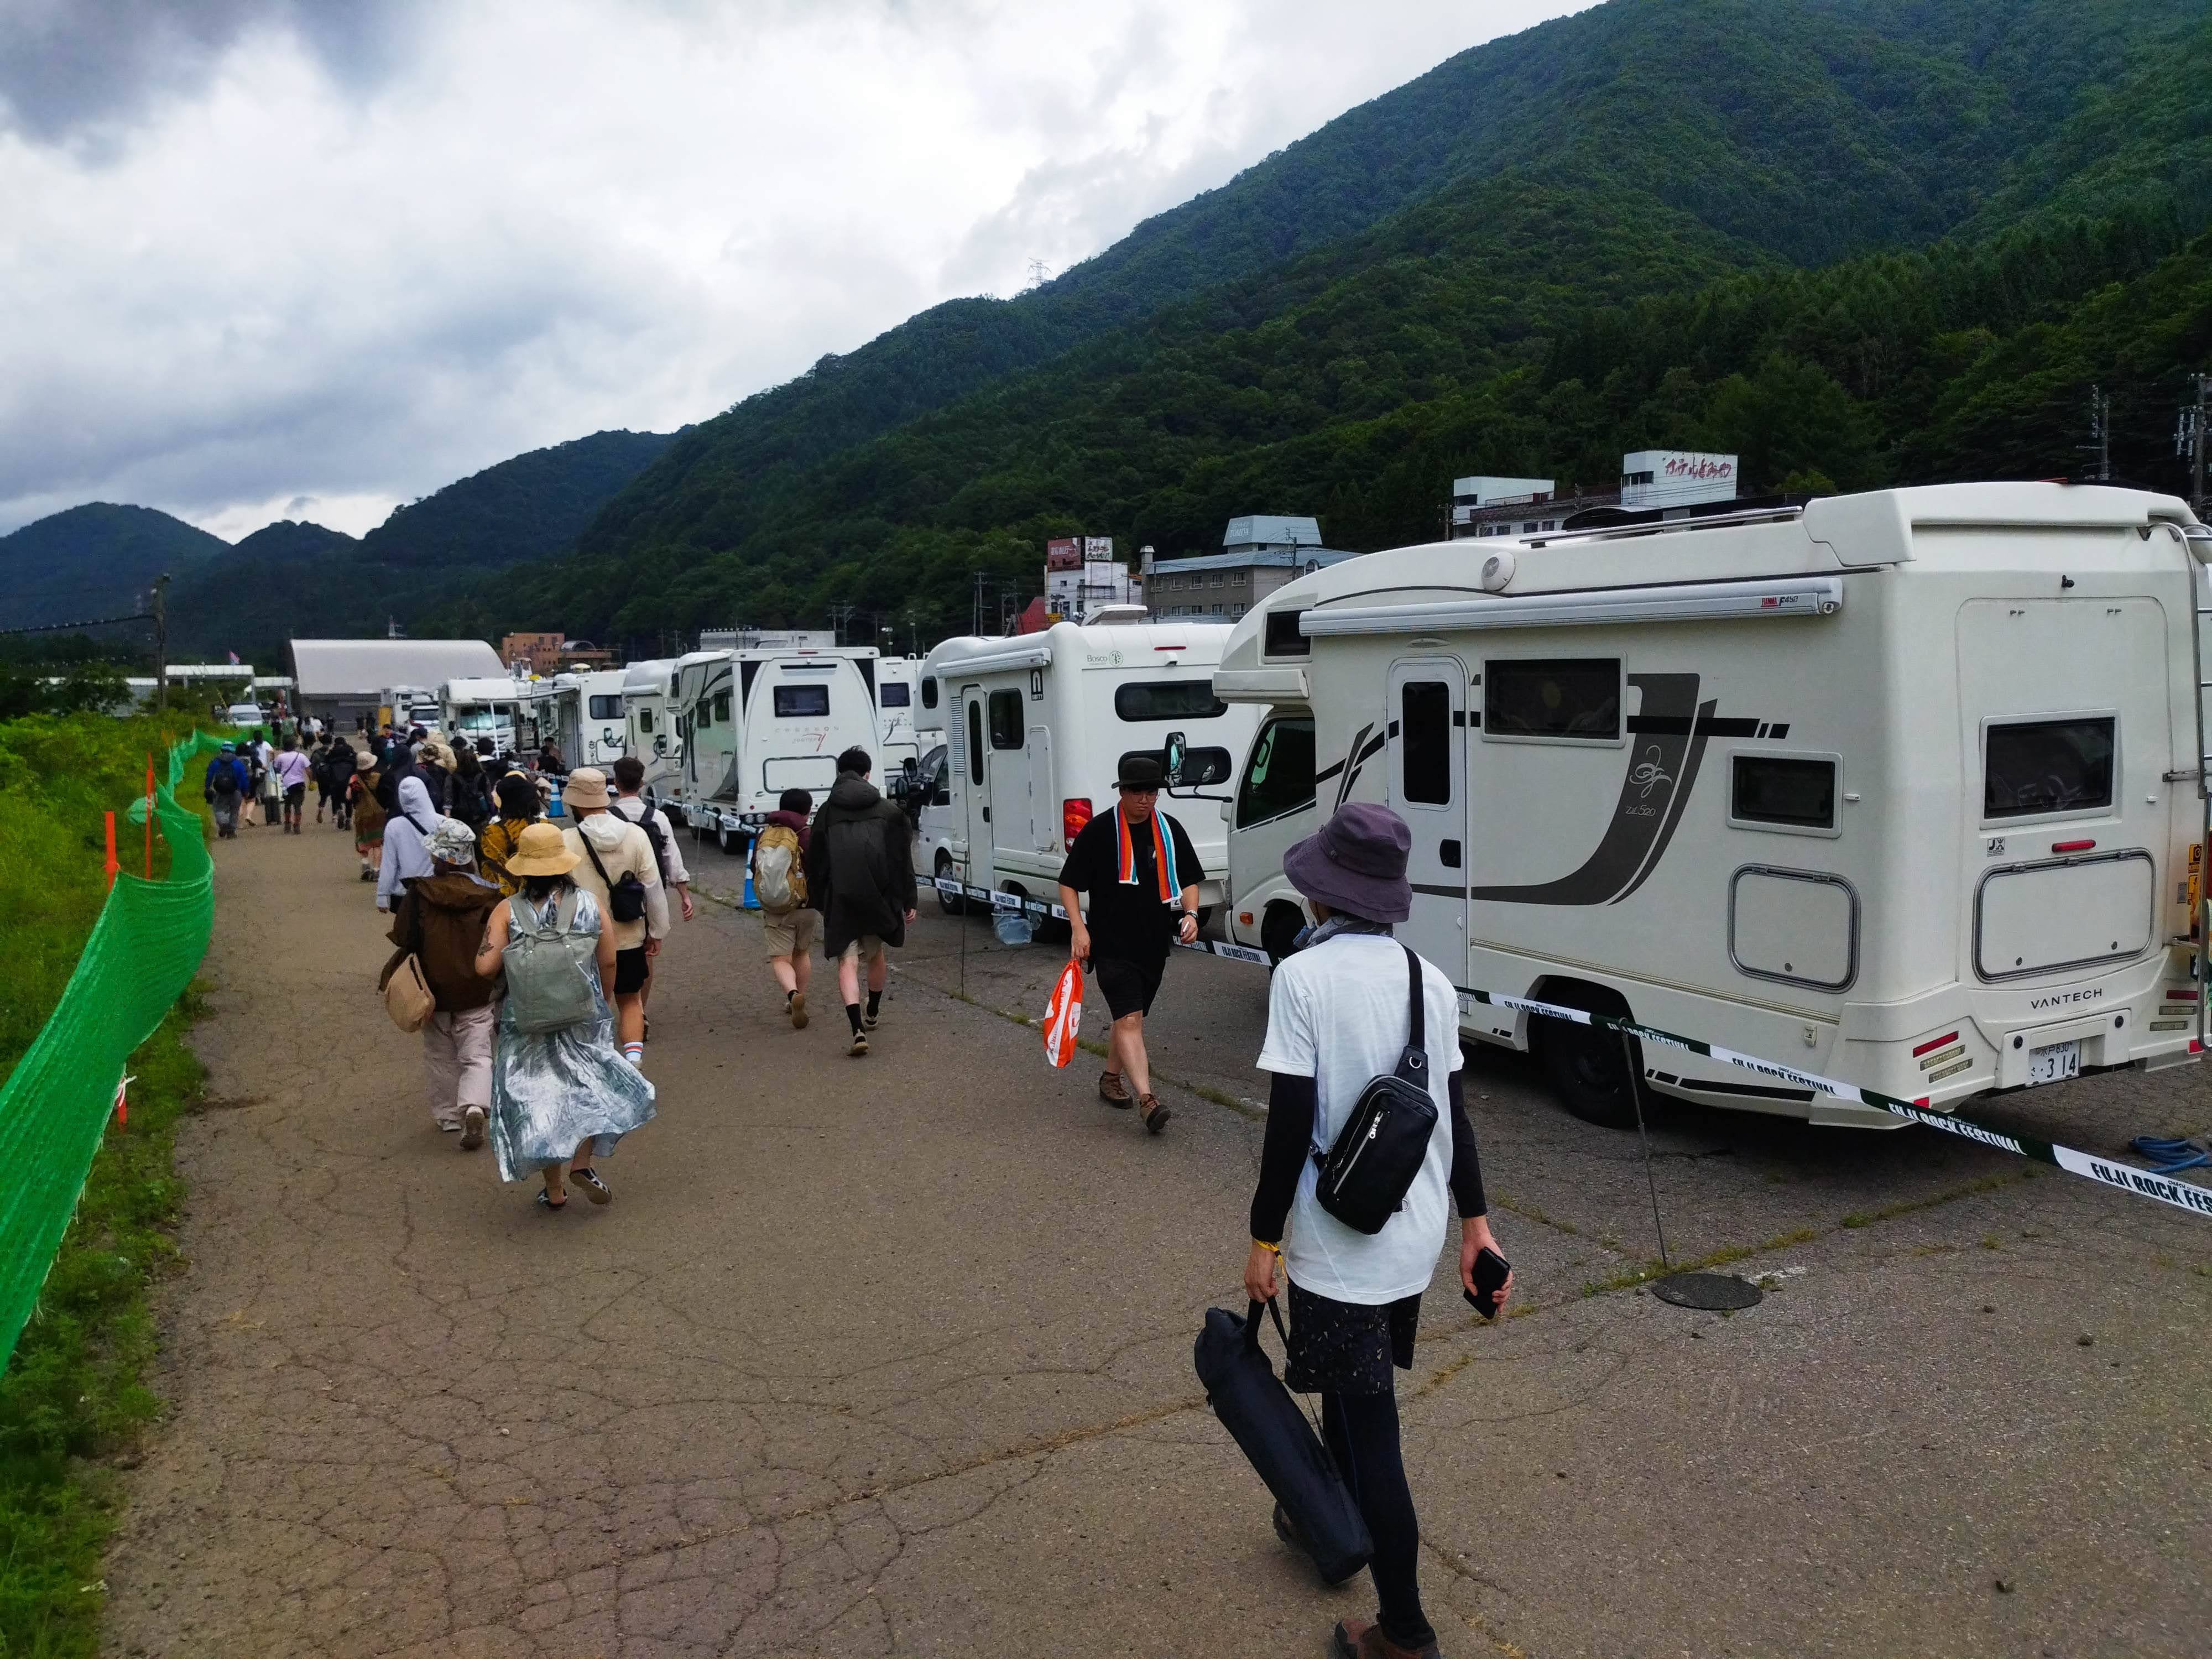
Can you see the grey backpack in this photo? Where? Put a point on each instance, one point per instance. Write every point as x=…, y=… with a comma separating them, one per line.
x=550, y=972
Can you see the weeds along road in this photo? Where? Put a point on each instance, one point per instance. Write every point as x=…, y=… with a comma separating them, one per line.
x=893, y=1355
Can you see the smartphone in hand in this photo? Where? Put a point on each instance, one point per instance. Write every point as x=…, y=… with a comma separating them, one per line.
x=1491, y=1271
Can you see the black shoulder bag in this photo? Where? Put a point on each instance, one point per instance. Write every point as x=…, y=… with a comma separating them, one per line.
x=1366, y=1175
x=626, y=897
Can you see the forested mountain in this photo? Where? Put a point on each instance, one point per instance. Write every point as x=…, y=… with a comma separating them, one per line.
x=523, y=508
x=97, y=560
x=1658, y=220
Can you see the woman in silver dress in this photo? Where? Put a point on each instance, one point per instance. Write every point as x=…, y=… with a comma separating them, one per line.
x=564, y=1096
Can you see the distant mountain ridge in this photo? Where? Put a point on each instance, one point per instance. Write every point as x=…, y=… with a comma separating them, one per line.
x=97, y=560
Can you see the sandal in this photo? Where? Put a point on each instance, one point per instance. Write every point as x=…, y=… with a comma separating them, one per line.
x=1155, y=1113
x=594, y=1189
x=1113, y=1090
x=545, y=1200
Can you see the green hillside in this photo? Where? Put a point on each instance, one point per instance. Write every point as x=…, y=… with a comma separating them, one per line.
x=1604, y=179
x=525, y=507
x=97, y=560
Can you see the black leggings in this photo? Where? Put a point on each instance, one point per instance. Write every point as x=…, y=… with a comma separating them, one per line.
x=1362, y=1431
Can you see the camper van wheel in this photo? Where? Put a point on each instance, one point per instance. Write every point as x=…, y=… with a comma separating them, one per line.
x=1587, y=1066
x=732, y=841
x=1279, y=929
x=949, y=905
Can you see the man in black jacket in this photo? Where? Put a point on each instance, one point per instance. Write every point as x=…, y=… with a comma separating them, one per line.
x=860, y=874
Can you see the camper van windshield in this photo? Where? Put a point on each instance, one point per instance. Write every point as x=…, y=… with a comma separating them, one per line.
x=1577, y=697
x=1168, y=700
x=895, y=696
x=2048, y=766
x=1280, y=778
x=793, y=701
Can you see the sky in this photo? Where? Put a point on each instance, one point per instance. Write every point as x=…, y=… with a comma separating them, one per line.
x=312, y=259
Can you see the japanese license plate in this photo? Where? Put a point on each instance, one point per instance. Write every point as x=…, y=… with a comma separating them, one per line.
x=2055, y=1064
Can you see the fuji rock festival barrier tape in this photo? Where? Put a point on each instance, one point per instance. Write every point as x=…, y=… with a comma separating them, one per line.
x=2123, y=1178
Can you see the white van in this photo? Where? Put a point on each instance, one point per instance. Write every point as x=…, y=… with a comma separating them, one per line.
x=486, y=708
x=588, y=719
x=756, y=722
x=1039, y=725
x=1905, y=787
x=649, y=729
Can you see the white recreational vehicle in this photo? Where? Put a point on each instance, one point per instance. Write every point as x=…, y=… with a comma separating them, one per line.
x=649, y=728
x=588, y=718
x=486, y=708
x=1038, y=725
x=1902, y=787
x=756, y=722
x=897, y=706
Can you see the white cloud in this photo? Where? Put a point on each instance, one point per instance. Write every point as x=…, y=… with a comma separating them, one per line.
x=272, y=259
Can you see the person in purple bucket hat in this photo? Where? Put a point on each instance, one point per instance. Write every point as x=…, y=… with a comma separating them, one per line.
x=1337, y=1018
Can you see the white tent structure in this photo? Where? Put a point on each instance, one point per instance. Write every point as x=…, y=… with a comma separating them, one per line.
x=341, y=679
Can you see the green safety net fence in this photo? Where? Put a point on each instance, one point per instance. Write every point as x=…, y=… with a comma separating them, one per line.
x=142, y=953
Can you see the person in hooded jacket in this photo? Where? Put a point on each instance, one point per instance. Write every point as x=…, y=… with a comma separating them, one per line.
x=406, y=842
x=442, y=919
x=859, y=875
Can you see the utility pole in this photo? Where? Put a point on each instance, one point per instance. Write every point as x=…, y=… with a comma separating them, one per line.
x=160, y=609
x=839, y=616
x=2189, y=441
x=2100, y=431
x=976, y=623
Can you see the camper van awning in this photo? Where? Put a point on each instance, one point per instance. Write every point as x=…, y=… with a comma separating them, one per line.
x=1817, y=596
x=985, y=662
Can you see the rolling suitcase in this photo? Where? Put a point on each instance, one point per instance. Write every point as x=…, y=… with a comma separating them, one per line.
x=1275, y=1436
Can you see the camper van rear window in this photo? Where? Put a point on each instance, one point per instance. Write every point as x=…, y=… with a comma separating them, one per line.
x=1775, y=789
x=1168, y=700
x=1552, y=698
x=2048, y=766
x=1283, y=638
x=605, y=708
x=1006, y=720
x=895, y=696
x=801, y=701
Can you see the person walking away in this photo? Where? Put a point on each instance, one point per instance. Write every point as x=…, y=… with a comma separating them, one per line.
x=228, y=778
x=329, y=788
x=860, y=873
x=1337, y=1018
x=630, y=779
x=468, y=792
x=442, y=920
x=518, y=808
x=1141, y=871
x=291, y=769
x=269, y=784
x=793, y=925
x=612, y=848
x=365, y=802
x=406, y=843
x=559, y=1094
x=345, y=762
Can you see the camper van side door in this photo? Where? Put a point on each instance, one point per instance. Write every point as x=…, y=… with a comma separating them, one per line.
x=1427, y=782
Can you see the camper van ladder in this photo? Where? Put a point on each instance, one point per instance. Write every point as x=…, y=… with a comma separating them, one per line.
x=2198, y=579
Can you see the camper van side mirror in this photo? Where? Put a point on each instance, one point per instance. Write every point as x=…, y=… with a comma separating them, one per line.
x=1178, y=751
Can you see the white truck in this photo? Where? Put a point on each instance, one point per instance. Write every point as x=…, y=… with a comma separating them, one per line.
x=1039, y=723
x=756, y=722
x=1905, y=787
x=486, y=708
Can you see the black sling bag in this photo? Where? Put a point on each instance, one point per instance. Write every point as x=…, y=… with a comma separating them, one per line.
x=1366, y=1175
x=626, y=897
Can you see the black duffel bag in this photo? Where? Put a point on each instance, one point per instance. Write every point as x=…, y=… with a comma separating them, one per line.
x=1366, y=1175
x=1280, y=1443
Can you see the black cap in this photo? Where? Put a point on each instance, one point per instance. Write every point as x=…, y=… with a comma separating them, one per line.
x=1139, y=772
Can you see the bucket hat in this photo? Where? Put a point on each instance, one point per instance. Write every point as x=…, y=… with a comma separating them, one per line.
x=586, y=787
x=542, y=850
x=364, y=761
x=1356, y=863
x=1139, y=772
x=451, y=841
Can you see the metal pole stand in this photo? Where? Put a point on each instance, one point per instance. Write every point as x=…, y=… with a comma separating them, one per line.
x=1711, y=1292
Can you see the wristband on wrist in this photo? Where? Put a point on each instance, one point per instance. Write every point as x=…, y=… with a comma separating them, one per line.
x=1274, y=1249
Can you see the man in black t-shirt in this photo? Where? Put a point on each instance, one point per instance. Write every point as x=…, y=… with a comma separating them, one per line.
x=1141, y=872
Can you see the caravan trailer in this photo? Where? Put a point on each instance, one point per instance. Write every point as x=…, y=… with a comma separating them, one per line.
x=1039, y=723
x=1902, y=787
x=588, y=718
x=649, y=730
x=756, y=722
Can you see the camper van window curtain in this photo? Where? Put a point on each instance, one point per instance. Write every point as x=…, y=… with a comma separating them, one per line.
x=1164, y=858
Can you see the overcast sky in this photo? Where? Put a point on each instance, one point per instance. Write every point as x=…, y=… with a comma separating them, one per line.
x=308, y=259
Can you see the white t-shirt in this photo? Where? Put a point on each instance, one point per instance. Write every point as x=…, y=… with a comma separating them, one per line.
x=1337, y=1014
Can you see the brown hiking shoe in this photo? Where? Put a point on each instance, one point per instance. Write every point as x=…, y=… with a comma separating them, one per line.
x=1358, y=1639
x=1113, y=1090
x=1155, y=1114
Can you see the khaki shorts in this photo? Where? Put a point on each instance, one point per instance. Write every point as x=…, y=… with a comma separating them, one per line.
x=866, y=948
x=793, y=933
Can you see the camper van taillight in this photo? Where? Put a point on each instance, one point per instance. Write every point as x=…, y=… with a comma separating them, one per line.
x=1932, y=1043
x=1074, y=815
x=2071, y=846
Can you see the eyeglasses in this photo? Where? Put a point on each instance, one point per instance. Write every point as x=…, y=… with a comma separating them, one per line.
x=1140, y=788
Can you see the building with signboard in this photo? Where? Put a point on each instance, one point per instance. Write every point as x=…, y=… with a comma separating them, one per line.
x=1667, y=483
x=1081, y=574
x=1260, y=552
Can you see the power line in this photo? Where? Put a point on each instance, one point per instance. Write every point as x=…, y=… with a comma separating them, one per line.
x=96, y=622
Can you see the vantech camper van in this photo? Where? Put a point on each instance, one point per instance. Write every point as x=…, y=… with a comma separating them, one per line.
x=1905, y=787
x=1037, y=725
x=649, y=731
x=588, y=719
x=756, y=722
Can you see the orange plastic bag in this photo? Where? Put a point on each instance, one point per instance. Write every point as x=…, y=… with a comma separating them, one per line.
x=1063, y=1016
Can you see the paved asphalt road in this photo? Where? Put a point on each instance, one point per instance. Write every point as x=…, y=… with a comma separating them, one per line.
x=893, y=1355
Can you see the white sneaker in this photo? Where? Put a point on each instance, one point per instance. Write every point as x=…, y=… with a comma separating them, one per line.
x=473, y=1128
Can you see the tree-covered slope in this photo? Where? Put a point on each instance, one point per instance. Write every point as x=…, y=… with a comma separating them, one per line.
x=94, y=561
x=525, y=507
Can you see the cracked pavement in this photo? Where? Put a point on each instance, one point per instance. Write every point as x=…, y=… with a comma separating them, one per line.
x=892, y=1356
